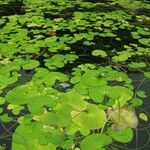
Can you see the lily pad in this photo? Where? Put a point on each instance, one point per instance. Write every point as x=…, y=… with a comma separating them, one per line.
x=99, y=53
x=95, y=118
x=95, y=142
x=143, y=116
x=36, y=104
x=123, y=136
x=30, y=64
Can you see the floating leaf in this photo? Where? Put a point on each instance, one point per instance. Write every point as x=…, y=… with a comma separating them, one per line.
x=21, y=94
x=136, y=102
x=93, y=78
x=30, y=64
x=141, y=94
x=123, y=136
x=95, y=142
x=99, y=53
x=137, y=65
x=143, y=116
x=2, y=100
x=29, y=136
x=36, y=104
x=75, y=100
x=15, y=108
x=5, y=118
x=147, y=74
x=2, y=147
x=97, y=94
x=95, y=118
x=121, y=97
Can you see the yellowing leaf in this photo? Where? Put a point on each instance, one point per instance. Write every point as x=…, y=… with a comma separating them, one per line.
x=143, y=116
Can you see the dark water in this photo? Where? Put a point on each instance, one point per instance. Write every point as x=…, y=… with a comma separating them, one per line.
x=12, y=9
x=141, y=139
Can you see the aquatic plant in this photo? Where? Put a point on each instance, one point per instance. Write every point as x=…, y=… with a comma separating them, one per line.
x=65, y=73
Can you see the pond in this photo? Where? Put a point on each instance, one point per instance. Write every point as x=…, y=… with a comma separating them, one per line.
x=74, y=74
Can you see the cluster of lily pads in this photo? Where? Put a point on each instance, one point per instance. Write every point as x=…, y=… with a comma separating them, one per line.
x=74, y=57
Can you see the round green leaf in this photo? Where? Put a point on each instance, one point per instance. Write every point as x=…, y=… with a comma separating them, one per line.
x=123, y=136
x=36, y=104
x=95, y=142
x=99, y=53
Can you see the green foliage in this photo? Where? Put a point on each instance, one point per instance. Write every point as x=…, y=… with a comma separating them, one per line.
x=99, y=53
x=2, y=148
x=143, y=116
x=123, y=136
x=95, y=141
x=64, y=72
x=36, y=103
x=59, y=61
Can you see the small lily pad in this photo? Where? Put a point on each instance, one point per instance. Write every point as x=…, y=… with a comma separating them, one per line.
x=123, y=136
x=95, y=142
x=30, y=64
x=2, y=100
x=143, y=116
x=99, y=53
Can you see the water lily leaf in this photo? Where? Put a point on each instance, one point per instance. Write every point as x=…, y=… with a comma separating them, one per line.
x=5, y=118
x=29, y=137
x=48, y=118
x=15, y=108
x=137, y=65
x=2, y=100
x=122, y=96
x=1, y=110
x=144, y=41
x=30, y=64
x=143, y=116
x=6, y=80
x=95, y=142
x=2, y=147
x=121, y=58
x=97, y=94
x=80, y=88
x=36, y=104
x=49, y=78
x=75, y=100
x=123, y=99
x=67, y=144
x=63, y=116
x=99, y=53
x=93, y=78
x=123, y=136
x=147, y=74
x=75, y=79
x=21, y=94
x=95, y=118
x=143, y=32
x=59, y=60
x=136, y=102
x=141, y=94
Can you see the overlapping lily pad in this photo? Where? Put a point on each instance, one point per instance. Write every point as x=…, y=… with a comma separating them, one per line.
x=89, y=47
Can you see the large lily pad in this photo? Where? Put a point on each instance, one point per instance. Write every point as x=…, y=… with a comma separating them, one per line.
x=95, y=142
x=36, y=104
x=94, y=118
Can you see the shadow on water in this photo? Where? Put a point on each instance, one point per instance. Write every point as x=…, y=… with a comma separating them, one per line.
x=13, y=8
